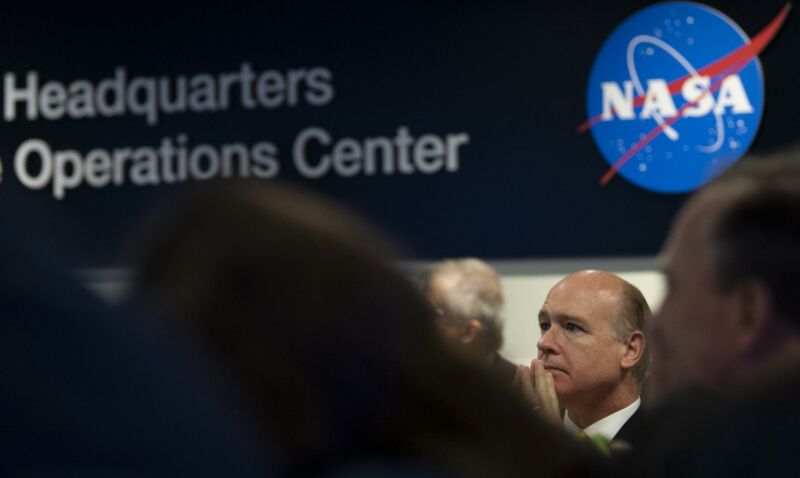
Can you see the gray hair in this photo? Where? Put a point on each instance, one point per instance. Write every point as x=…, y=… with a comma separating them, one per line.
x=473, y=291
x=633, y=313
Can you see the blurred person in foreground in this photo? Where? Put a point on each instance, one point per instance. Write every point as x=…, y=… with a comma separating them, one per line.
x=337, y=349
x=592, y=358
x=95, y=390
x=467, y=296
x=726, y=342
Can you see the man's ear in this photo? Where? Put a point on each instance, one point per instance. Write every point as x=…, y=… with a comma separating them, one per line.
x=471, y=331
x=634, y=350
x=755, y=307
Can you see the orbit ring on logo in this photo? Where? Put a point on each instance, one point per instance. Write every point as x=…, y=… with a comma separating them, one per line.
x=676, y=94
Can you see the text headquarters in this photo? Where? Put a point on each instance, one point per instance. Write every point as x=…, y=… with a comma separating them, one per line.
x=174, y=158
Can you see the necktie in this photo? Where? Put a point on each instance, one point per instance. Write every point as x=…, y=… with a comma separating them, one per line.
x=598, y=442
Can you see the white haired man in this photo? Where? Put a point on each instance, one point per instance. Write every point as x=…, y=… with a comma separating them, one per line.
x=467, y=296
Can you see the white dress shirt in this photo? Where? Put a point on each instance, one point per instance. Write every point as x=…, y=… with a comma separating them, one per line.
x=608, y=426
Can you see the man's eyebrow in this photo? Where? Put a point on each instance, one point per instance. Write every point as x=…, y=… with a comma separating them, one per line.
x=543, y=315
x=570, y=318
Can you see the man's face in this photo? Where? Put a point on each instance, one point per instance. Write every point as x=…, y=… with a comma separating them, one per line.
x=578, y=345
x=692, y=336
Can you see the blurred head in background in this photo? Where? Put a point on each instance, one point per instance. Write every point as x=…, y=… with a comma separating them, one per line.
x=467, y=297
x=732, y=263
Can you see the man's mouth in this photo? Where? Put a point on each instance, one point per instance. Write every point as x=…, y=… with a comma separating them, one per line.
x=551, y=369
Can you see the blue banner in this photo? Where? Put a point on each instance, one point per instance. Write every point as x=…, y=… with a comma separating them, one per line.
x=455, y=126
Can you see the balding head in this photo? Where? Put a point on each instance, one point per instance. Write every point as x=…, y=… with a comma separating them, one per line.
x=621, y=302
x=592, y=342
x=589, y=288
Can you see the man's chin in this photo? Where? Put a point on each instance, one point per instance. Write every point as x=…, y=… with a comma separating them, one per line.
x=562, y=387
x=566, y=398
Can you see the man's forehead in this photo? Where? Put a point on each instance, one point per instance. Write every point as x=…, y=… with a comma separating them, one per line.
x=584, y=295
x=588, y=284
x=441, y=280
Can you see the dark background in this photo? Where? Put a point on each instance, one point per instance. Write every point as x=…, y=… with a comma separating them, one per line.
x=511, y=74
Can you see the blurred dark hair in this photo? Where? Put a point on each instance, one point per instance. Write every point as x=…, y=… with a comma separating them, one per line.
x=337, y=350
x=758, y=234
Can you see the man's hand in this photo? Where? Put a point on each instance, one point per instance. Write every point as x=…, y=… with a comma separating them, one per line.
x=538, y=390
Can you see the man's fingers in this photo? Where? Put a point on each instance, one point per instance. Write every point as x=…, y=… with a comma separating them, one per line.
x=546, y=393
x=540, y=381
x=523, y=380
x=531, y=372
x=552, y=398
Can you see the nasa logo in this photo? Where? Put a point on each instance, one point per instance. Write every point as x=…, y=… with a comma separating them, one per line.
x=675, y=95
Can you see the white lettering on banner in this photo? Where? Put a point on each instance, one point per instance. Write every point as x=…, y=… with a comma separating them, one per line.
x=37, y=165
x=619, y=102
x=316, y=154
x=13, y=95
x=151, y=97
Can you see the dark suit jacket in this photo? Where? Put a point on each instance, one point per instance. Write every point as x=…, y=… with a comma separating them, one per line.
x=628, y=436
x=631, y=430
x=748, y=431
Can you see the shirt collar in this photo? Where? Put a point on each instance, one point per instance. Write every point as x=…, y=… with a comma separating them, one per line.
x=608, y=426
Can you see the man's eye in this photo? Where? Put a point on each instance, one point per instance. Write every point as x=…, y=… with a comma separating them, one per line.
x=572, y=327
x=544, y=326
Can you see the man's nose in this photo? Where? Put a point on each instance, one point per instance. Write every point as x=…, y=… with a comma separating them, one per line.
x=547, y=343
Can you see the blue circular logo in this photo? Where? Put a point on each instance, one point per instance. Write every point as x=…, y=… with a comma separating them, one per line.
x=675, y=97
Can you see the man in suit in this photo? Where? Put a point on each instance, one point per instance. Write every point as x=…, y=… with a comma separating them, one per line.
x=592, y=357
x=467, y=297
